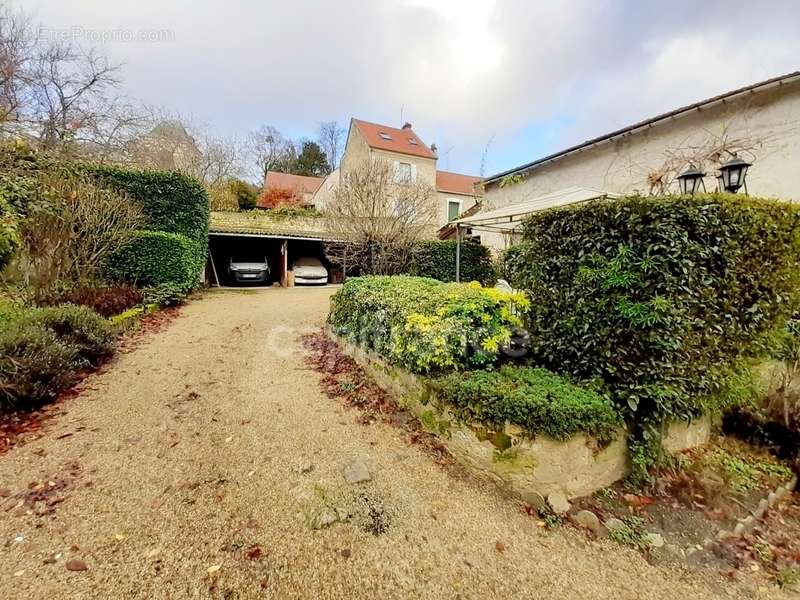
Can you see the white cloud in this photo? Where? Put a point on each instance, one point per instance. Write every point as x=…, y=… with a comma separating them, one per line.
x=461, y=70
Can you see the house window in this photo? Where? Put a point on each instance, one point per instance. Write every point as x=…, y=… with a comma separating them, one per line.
x=403, y=172
x=453, y=209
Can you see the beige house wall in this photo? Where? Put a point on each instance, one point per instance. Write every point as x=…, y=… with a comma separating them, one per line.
x=442, y=199
x=357, y=151
x=766, y=122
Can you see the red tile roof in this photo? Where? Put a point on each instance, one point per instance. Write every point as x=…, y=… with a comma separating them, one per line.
x=299, y=183
x=457, y=183
x=400, y=140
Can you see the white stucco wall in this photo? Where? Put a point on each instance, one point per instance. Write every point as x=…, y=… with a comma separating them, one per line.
x=766, y=122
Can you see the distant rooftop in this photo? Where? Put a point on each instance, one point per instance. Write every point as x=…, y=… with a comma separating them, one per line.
x=383, y=137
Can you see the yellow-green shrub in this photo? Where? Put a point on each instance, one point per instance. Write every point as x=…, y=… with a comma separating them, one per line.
x=423, y=324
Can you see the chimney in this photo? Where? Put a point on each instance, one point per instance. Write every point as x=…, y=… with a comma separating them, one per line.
x=407, y=125
x=434, y=148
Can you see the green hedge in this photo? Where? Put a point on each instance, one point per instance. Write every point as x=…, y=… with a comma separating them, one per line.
x=657, y=298
x=42, y=351
x=176, y=206
x=172, y=201
x=535, y=399
x=437, y=259
x=423, y=324
x=154, y=258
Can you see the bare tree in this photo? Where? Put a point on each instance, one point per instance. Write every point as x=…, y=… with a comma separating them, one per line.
x=269, y=150
x=68, y=93
x=379, y=217
x=330, y=137
x=16, y=53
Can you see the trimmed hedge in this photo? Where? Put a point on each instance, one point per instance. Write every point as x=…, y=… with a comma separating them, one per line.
x=173, y=251
x=657, y=298
x=171, y=201
x=42, y=350
x=535, y=399
x=437, y=259
x=423, y=324
x=154, y=258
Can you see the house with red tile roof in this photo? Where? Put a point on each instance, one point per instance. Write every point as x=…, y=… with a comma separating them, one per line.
x=303, y=187
x=411, y=158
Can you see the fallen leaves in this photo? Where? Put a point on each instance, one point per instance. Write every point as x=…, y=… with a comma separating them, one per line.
x=254, y=552
x=213, y=569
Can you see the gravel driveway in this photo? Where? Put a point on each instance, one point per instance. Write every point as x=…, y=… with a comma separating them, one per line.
x=198, y=465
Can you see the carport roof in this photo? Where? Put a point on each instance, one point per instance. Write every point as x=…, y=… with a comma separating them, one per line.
x=261, y=223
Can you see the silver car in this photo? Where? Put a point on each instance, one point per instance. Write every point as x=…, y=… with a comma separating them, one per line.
x=249, y=272
x=309, y=271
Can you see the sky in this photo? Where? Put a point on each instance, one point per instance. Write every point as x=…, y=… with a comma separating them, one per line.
x=494, y=83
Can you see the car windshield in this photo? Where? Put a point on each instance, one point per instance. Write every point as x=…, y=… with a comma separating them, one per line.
x=241, y=259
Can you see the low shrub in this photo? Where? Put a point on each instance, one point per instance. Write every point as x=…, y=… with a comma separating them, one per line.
x=43, y=349
x=246, y=194
x=79, y=327
x=34, y=366
x=154, y=258
x=423, y=324
x=535, y=399
x=437, y=259
x=106, y=301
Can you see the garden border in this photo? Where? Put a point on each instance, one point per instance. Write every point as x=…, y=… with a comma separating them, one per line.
x=530, y=468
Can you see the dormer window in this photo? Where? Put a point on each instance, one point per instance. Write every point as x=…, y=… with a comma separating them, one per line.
x=384, y=135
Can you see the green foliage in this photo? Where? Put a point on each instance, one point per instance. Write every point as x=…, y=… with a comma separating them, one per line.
x=165, y=294
x=156, y=258
x=246, y=195
x=173, y=250
x=77, y=326
x=423, y=324
x=311, y=161
x=658, y=298
x=632, y=533
x=281, y=213
x=744, y=473
x=535, y=399
x=9, y=232
x=437, y=259
x=42, y=350
x=172, y=202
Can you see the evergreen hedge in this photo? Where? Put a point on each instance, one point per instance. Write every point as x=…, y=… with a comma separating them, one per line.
x=173, y=251
x=154, y=258
x=437, y=259
x=657, y=298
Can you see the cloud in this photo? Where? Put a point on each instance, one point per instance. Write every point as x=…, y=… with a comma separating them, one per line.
x=460, y=70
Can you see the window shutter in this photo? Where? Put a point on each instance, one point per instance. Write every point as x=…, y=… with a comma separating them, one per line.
x=413, y=172
x=396, y=171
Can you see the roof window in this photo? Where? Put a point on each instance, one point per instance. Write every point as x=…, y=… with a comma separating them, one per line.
x=412, y=141
x=384, y=135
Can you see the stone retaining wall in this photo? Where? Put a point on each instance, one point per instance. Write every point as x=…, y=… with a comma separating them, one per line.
x=531, y=468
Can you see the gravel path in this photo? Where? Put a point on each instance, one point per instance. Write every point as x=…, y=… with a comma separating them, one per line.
x=194, y=465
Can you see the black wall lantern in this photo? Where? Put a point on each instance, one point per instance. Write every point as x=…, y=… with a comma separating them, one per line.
x=733, y=174
x=691, y=180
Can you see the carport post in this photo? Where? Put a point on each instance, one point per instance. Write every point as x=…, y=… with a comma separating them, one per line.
x=213, y=266
x=458, y=253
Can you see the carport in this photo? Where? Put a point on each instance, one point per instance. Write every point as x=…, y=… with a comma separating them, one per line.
x=255, y=235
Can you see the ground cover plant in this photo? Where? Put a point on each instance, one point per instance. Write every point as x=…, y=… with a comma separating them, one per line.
x=423, y=324
x=536, y=399
x=659, y=300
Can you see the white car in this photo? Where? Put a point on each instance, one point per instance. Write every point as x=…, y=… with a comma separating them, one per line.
x=309, y=271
